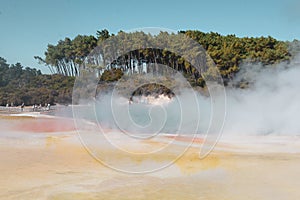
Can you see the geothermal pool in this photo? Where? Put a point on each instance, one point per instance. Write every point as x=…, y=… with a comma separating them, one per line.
x=42, y=158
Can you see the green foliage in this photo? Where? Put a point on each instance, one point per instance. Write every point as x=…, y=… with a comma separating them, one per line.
x=111, y=75
x=67, y=59
x=67, y=56
x=151, y=89
x=229, y=51
x=29, y=86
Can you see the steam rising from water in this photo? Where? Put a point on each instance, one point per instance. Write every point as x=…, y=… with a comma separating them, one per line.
x=161, y=115
x=270, y=105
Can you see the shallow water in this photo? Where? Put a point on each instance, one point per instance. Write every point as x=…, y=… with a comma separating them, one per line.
x=54, y=165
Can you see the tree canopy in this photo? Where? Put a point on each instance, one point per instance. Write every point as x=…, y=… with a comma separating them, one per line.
x=29, y=86
x=227, y=52
x=68, y=57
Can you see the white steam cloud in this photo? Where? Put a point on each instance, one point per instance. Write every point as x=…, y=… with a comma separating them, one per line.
x=271, y=105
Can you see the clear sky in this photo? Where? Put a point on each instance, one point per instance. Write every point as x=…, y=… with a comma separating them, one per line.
x=28, y=26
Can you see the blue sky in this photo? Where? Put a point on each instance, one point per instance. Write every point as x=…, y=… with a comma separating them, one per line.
x=28, y=26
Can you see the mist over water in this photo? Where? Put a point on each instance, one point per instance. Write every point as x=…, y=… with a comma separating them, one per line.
x=270, y=105
x=173, y=116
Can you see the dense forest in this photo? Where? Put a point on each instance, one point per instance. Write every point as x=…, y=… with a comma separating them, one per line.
x=68, y=57
x=29, y=86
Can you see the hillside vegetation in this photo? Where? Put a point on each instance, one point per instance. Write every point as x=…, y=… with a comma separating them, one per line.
x=67, y=58
x=29, y=86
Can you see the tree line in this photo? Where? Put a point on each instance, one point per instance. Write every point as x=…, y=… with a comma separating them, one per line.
x=69, y=56
x=19, y=84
